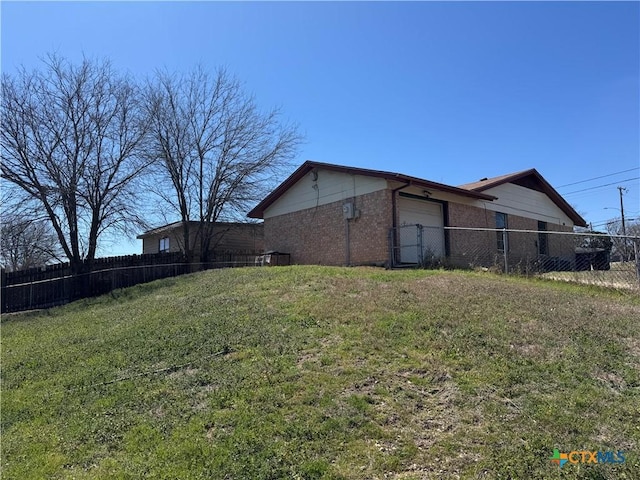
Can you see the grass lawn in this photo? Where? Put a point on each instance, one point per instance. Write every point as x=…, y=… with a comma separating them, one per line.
x=621, y=276
x=318, y=372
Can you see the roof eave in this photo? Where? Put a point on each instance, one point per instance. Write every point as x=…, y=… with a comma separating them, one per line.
x=551, y=192
x=307, y=166
x=445, y=188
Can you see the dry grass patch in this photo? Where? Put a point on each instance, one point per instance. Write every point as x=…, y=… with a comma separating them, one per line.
x=328, y=373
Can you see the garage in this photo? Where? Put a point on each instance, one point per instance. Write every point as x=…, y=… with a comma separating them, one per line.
x=414, y=211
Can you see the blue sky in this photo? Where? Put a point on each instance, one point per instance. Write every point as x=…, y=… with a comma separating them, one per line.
x=448, y=91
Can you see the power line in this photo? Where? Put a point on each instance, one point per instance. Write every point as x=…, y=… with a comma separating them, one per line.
x=596, y=193
x=599, y=186
x=596, y=178
x=602, y=223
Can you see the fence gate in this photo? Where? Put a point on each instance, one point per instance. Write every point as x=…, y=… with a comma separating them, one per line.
x=406, y=245
x=415, y=245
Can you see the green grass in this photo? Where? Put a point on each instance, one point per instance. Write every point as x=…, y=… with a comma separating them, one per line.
x=317, y=372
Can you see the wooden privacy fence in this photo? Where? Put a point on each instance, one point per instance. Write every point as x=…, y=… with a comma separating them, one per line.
x=55, y=285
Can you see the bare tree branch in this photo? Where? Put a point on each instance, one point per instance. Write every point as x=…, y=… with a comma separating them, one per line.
x=71, y=140
x=216, y=150
x=27, y=243
x=623, y=247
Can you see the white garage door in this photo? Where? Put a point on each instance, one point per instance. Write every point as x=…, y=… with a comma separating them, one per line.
x=429, y=215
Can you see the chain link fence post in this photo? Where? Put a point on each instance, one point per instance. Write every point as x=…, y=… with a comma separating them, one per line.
x=391, y=248
x=420, y=252
x=637, y=257
x=505, y=248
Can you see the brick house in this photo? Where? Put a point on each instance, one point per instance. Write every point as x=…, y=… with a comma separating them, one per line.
x=229, y=238
x=338, y=215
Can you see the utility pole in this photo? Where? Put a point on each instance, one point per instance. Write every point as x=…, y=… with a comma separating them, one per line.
x=624, y=230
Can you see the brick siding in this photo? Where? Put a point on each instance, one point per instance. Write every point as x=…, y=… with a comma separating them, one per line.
x=319, y=235
x=481, y=248
x=469, y=248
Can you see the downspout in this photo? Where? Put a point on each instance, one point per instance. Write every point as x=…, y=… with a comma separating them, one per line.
x=347, y=239
x=393, y=237
x=394, y=221
x=347, y=247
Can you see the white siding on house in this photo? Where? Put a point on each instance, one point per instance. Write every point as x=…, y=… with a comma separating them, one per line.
x=328, y=188
x=517, y=200
x=512, y=199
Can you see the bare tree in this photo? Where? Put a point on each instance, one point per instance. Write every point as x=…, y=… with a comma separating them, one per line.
x=621, y=245
x=70, y=142
x=594, y=240
x=27, y=243
x=218, y=152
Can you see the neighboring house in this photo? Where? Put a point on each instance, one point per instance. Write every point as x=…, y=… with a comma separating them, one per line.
x=229, y=238
x=338, y=215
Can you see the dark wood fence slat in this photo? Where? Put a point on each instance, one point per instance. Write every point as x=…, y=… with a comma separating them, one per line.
x=53, y=285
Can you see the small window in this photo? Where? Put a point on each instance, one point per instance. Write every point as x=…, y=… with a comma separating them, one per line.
x=164, y=244
x=543, y=243
x=501, y=223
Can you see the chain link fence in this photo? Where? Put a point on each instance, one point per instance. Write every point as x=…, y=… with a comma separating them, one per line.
x=597, y=259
